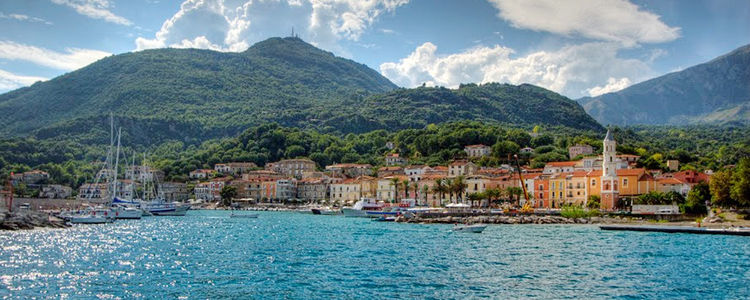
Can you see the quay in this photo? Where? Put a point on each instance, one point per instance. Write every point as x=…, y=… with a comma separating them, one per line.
x=679, y=229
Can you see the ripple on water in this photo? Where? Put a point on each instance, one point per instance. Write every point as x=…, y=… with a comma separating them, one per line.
x=286, y=255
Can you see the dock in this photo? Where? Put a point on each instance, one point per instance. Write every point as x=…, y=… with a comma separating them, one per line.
x=679, y=229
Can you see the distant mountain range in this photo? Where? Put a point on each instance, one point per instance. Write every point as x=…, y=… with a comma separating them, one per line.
x=714, y=92
x=193, y=95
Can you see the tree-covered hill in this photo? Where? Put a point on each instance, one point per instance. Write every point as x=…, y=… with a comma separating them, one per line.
x=282, y=80
x=493, y=102
x=192, y=95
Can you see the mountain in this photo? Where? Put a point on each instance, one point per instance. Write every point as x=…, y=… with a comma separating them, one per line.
x=492, y=102
x=714, y=92
x=193, y=95
x=280, y=80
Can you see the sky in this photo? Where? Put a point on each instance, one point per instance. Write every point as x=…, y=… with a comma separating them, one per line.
x=577, y=48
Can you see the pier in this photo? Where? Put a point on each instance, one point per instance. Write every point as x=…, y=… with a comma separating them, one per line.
x=679, y=229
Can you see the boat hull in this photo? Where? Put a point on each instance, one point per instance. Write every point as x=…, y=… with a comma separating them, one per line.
x=354, y=213
x=128, y=214
x=91, y=220
x=251, y=216
x=470, y=228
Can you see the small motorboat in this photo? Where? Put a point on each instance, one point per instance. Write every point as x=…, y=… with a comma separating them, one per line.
x=323, y=211
x=475, y=228
x=384, y=219
x=246, y=216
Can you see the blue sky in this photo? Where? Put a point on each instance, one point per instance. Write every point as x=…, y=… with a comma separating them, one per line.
x=577, y=48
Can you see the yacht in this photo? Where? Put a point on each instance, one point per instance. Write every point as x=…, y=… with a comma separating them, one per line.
x=361, y=208
x=97, y=215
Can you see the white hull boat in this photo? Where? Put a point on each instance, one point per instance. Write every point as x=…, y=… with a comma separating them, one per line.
x=130, y=213
x=476, y=228
x=361, y=208
x=96, y=216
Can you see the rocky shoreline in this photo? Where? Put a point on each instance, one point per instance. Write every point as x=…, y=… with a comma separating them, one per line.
x=29, y=220
x=502, y=219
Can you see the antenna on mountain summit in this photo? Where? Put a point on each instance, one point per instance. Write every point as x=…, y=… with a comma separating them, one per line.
x=293, y=31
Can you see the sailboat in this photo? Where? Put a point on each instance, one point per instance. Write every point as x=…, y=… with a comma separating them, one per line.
x=122, y=210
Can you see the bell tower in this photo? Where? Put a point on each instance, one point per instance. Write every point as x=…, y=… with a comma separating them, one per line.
x=610, y=192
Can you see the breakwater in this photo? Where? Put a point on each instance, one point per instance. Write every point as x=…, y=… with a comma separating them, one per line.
x=29, y=220
x=503, y=219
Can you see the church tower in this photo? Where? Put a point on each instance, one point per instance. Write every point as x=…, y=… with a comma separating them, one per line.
x=610, y=191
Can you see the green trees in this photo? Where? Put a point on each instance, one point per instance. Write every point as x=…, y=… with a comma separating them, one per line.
x=696, y=199
x=740, y=190
x=228, y=193
x=720, y=187
x=594, y=202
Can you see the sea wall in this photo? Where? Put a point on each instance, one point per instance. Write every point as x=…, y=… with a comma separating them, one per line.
x=502, y=219
x=28, y=220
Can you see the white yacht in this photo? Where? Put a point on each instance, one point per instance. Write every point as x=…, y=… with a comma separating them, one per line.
x=92, y=216
x=361, y=208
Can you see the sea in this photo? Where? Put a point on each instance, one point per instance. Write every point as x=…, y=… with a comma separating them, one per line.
x=287, y=255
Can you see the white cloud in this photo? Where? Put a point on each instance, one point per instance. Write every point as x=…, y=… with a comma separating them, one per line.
x=613, y=85
x=607, y=20
x=95, y=9
x=74, y=58
x=10, y=81
x=571, y=70
x=21, y=17
x=233, y=25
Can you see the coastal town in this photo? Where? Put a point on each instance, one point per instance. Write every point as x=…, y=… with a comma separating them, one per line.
x=609, y=182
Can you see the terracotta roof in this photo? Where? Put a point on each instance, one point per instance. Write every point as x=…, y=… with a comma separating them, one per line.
x=671, y=181
x=477, y=146
x=631, y=172
x=562, y=163
x=349, y=166
x=440, y=168
x=389, y=168
x=580, y=173
x=459, y=162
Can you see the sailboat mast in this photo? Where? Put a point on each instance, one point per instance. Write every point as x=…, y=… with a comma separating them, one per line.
x=117, y=161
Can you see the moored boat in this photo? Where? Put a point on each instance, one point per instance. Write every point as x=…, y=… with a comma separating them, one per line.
x=361, y=208
x=323, y=211
x=92, y=216
x=475, y=228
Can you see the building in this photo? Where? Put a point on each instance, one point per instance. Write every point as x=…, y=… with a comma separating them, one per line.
x=393, y=159
x=144, y=173
x=610, y=191
x=313, y=189
x=234, y=168
x=350, y=170
x=174, y=191
x=347, y=191
x=261, y=174
x=248, y=188
x=477, y=150
x=390, y=171
x=211, y=190
x=559, y=167
x=292, y=167
x=462, y=168
x=672, y=184
x=95, y=192
x=286, y=189
x=574, y=151
x=201, y=174
x=691, y=177
x=55, y=191
x=33, y=177
x=673, y=165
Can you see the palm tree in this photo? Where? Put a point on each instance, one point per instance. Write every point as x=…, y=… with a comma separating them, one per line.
x=395, y=182
x=448, y=186
x=405, y=182
x=459, y=187
x=425, y=189
x=415, y=187
x=439, y=189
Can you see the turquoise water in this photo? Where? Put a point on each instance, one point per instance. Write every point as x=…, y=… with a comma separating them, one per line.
x=289, y=255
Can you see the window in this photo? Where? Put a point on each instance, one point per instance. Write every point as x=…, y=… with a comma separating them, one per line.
x=624, y=182
x=593, y=182
x=541, y=187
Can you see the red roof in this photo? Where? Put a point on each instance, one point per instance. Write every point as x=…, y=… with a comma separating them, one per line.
x=631, y=172
x=562, y=163
x=477, y=146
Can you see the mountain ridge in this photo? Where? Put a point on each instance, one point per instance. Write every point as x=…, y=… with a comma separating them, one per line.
x=689, y=96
